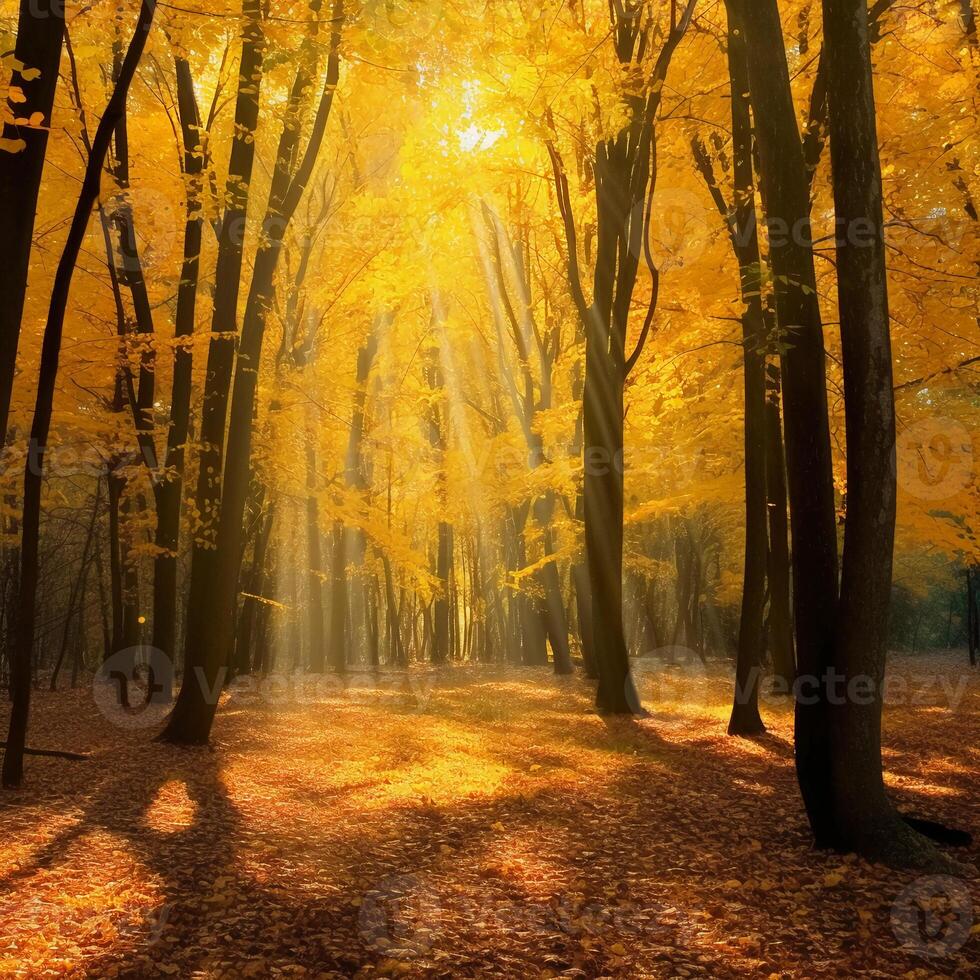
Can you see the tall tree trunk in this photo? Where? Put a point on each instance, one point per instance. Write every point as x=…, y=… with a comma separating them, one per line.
x=190, y=720
x=808, y=452
x=866, y=821
x=208, y=635
x=40, y=35
x=604, y=382
x=170, y=488
x=745, y=718
x=13, y=760
x=263, y=617
x=625, y=177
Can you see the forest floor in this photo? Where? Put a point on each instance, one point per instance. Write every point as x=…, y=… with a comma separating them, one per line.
x=473, y=824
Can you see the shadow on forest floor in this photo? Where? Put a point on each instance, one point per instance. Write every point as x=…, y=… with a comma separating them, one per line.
x=496, y=828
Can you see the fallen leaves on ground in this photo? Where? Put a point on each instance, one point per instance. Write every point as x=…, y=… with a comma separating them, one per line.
x=490, y=825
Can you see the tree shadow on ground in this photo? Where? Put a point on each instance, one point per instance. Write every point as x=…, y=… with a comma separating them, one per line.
x=602, y=835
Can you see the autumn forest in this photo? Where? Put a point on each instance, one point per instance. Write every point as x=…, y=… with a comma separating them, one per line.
x=489, y=488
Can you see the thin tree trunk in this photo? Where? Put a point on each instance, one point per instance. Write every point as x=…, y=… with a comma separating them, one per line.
x=208, y=634
x=190, y=720
x=444, y=546
x=972, y=619
x=745, y=718
x=338, y=600
x=78, y=585
x=315, y=562
x=258, y=577
x=13, y=760
x=780, y=617
x=169, y=490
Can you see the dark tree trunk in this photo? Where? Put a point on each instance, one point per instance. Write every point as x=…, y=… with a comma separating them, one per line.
x=808, y=452
x=263, y=615
x=117, y=487
x=315, y=560
x=745, y=718
x=583, y=610
x=170, y=488
x=13, y=760
x=865, y=819
x=780, y=618
x=40, y=35
x=441, y=606
x=338, y=600
x=372, y=626
x=190, y=720
x=257, y=582
x=77, y=586
x=624, y=167
x=208, y=635
x=436, y=426
x=556, y=622
x=397, y=649
x=972, y=618
x=605, y=378
x=130, y=584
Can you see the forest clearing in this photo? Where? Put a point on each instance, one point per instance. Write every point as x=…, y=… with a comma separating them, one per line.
x=487, y=823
